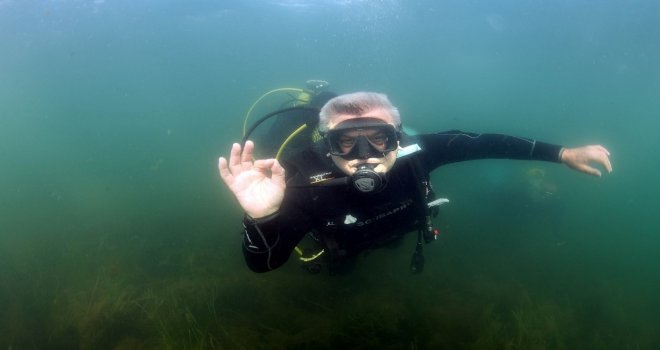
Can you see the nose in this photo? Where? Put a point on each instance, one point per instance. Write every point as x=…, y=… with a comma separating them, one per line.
x=364, y=148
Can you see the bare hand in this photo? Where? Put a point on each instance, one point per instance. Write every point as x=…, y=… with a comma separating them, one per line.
x=580, y=158
x=257, y=184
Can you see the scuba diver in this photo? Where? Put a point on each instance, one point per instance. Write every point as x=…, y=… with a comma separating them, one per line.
x=362, y=183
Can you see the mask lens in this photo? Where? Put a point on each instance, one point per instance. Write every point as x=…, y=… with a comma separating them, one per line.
x=363, y=142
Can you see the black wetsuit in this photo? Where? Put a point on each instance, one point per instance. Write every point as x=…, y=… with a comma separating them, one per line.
x=355, y=221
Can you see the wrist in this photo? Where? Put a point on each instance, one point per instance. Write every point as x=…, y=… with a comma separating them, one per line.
x=261, y=218
x=561, y=154
x=262, y=213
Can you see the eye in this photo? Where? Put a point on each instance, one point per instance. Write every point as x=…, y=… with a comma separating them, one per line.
x=346, y=141
x=379, y=139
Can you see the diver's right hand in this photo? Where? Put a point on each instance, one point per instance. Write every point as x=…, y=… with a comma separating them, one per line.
x=257, y=184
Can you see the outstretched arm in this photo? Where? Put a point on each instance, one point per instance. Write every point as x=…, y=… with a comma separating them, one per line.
x=456, y=146
x=580, y=158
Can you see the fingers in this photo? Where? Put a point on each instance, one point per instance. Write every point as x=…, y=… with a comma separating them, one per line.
x=600, y=155
x=603, y=149
x=608, y=165
x=580, y=158
x=235, y=159
x=605, y=158
x=589, y=170
x=278, y=174
x=246, y=156
x=225, y=174
x=242, y=159
x=605, y=162
x=273, y=168
x=263, y=165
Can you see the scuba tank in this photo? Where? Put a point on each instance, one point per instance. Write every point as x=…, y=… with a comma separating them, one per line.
x=292, y=125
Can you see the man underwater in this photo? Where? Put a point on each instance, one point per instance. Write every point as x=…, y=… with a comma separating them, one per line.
x=365, y=184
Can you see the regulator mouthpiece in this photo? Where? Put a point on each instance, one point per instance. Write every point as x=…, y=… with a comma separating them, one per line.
x=367, y=180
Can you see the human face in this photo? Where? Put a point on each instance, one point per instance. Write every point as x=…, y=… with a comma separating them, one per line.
x=345, y=142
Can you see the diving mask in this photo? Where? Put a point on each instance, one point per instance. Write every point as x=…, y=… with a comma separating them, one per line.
x=362, y=138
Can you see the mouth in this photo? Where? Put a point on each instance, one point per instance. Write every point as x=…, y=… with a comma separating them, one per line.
x=375, y=166
x=359, y=163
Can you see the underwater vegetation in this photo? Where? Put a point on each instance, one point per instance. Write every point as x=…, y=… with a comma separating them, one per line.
x=171, y=293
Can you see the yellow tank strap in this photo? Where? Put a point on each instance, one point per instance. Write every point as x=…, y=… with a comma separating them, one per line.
x=306, y=259
x=288, y=139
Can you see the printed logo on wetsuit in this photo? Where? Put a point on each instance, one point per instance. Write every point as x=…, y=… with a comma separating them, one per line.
x=404, y=205
x=320, y=177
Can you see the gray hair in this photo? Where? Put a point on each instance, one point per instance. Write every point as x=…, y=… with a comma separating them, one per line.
x=357, y=104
